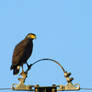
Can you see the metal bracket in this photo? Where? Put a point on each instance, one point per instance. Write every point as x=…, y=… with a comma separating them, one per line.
x=21, y=85
x=69, y=87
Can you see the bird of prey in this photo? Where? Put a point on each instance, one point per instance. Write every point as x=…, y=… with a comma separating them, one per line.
x=22, y=52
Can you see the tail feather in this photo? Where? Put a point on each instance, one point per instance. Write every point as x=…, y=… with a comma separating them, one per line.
x=11, y=67
x=15, y=71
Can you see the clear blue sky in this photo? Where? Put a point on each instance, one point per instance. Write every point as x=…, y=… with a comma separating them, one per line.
x=64, y=33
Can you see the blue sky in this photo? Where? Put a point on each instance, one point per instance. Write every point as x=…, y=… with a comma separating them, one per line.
x=64, y=33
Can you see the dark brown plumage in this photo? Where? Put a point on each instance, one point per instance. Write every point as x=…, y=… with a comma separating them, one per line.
x=22, y=52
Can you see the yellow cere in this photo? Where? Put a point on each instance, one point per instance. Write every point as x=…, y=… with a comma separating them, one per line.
x=32, y=36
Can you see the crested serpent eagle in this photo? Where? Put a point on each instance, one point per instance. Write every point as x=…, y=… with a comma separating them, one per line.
x=22, y=52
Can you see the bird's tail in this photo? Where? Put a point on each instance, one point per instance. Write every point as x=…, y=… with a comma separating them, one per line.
x=15, y=70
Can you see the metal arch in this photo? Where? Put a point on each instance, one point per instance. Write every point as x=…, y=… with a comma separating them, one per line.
x=23, y=87
x=50, y=60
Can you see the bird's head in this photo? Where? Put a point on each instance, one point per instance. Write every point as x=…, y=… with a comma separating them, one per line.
x=31, y=36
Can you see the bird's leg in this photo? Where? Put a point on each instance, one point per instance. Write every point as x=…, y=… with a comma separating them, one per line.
x=24, y=75
x=22, y=69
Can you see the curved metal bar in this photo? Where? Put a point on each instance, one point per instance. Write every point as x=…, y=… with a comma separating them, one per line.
x=50, y=60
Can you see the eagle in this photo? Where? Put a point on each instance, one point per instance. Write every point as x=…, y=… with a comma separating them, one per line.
x=22, y=52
